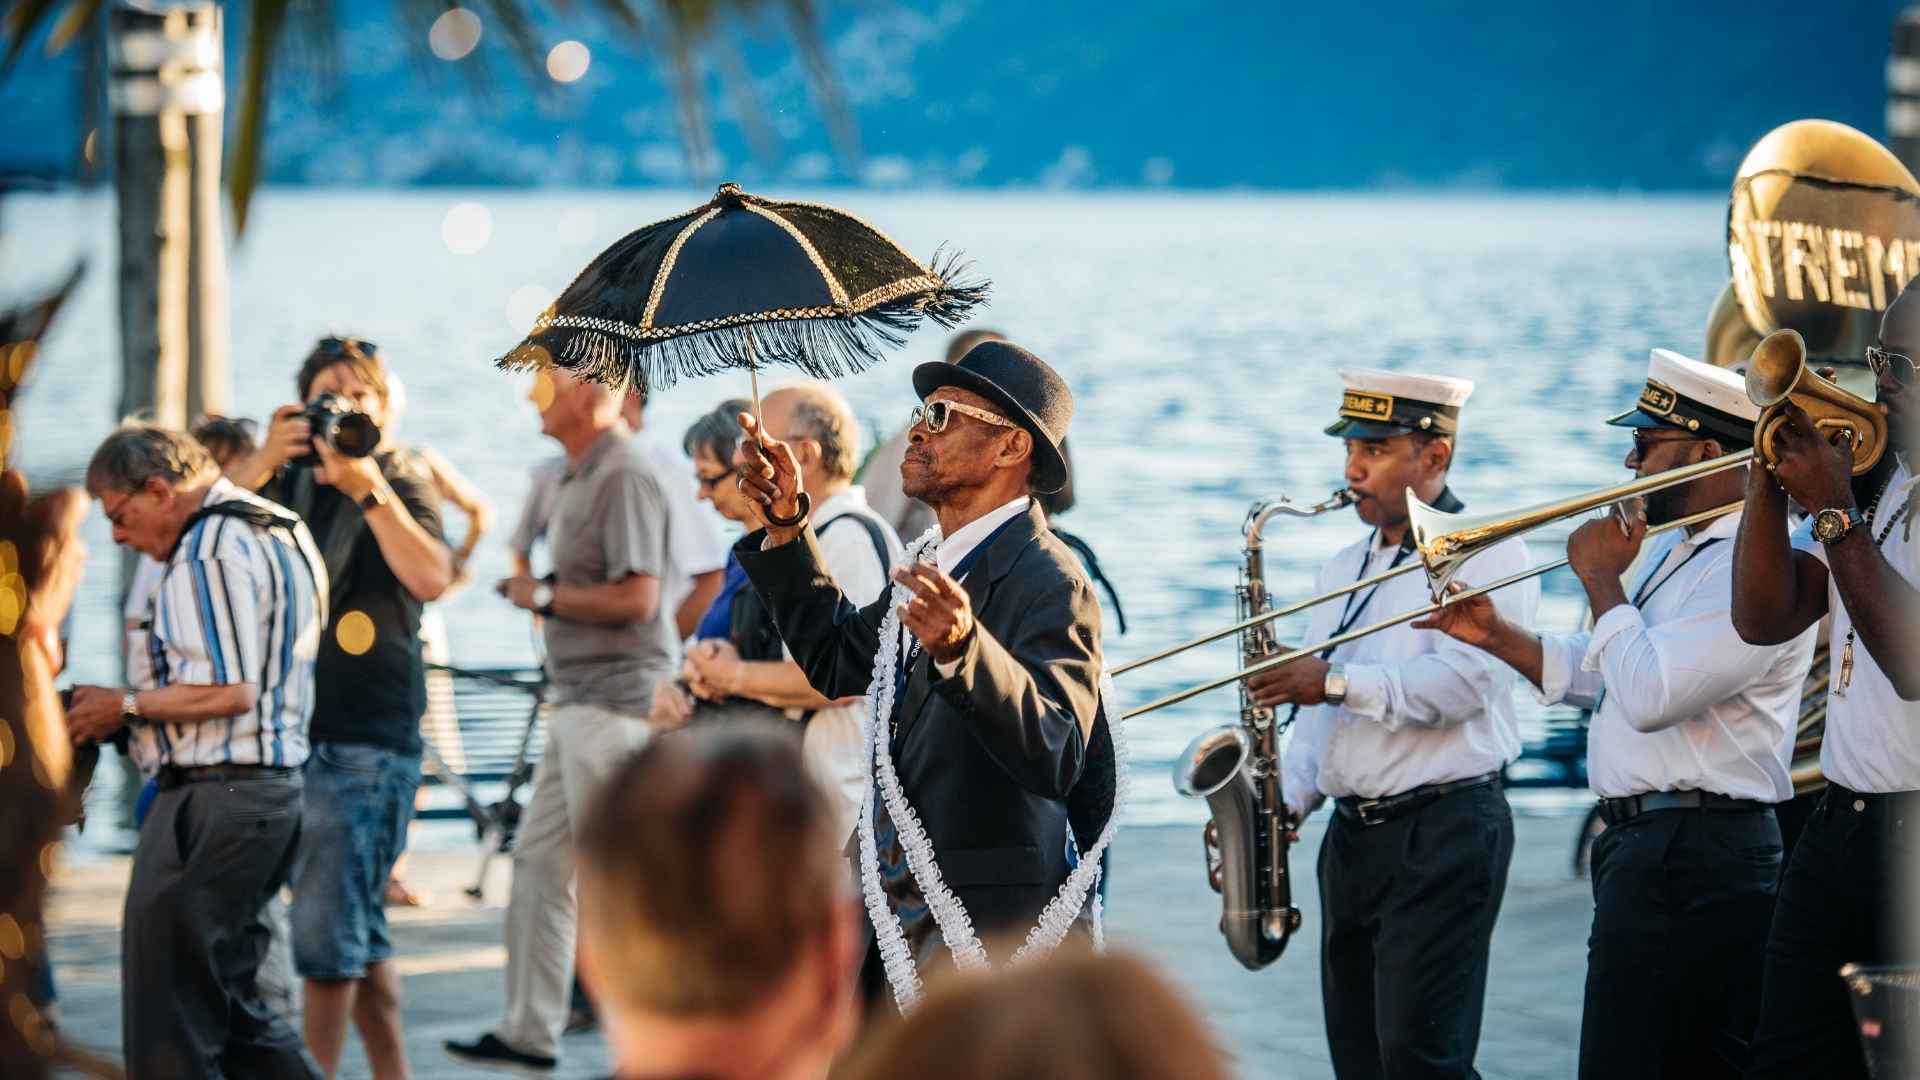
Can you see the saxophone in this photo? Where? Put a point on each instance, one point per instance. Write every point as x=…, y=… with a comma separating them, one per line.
x=1236, y=768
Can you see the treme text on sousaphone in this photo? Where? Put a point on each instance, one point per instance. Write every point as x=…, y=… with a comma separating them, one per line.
x=1822, y=232
x=1236, y=767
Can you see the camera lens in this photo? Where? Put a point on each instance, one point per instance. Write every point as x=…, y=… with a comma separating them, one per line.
x=355, y=435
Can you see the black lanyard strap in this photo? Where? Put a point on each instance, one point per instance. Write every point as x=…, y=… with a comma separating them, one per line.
x=1649, y=587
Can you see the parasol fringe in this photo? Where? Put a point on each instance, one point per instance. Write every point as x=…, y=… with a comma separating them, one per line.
x=961, y=290
x=824, y=348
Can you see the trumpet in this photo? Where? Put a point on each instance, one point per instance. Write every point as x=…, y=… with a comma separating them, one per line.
x=1777, y=373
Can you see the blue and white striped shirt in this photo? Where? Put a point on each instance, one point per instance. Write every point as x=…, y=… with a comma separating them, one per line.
x=237, y=603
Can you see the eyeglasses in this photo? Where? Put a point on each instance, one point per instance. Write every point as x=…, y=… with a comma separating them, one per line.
x=936, y=414
x=1882, y=361
x=1644, y=441
x=348, y=346
x=113, y=515
x=707, y=483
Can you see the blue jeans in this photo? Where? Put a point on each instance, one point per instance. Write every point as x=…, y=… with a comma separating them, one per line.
x=359, y=804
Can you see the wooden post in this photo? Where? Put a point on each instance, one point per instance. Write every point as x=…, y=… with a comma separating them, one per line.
x=168, y=98
x=1903, y=89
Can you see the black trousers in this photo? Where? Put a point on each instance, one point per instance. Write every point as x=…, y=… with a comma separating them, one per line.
x=193, y=936
x=1408, y=908
x=1681, y=904
x=1840, y=902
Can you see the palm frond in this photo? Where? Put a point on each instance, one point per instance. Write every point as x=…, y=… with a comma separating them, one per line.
x=804, y=23
x=306, y=31
x=265, y=23
x=79, y=15
x=23, y=17
x=748, y=110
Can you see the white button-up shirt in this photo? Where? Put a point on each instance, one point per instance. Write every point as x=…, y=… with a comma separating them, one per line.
x=1681, y=703
x=1421, y=708
x=1873, y=737
x=954, y=548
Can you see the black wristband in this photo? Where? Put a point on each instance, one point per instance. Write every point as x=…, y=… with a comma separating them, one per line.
x=800, y=515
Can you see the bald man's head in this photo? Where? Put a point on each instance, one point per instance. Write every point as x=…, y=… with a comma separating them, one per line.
x=1900, y=333
x=1900, y=326
x=815, y=411
x=963, y=342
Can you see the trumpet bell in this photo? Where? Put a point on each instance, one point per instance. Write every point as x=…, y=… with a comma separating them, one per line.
x=1777, y=373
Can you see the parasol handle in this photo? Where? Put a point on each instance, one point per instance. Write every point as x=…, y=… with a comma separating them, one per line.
x=753, y=379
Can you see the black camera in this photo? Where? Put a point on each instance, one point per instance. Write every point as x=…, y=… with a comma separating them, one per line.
x=349, y=431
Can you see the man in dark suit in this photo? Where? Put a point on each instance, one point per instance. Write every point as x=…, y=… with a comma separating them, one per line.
x=991, y=707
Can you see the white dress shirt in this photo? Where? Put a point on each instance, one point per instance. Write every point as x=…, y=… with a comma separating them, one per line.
x=1681, y=703
x=955, y=547
x=1873, y=736
x=1421, y=708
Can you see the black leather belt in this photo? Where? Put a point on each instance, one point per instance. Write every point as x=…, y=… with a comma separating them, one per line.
x=1381, y=811
x=1839, y=797
x=1615, y=811
x=172, y=776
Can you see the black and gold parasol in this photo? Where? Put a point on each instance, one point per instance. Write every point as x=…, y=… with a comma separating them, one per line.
x=739, y=282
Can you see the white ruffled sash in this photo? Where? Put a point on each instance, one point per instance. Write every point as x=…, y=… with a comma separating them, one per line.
x=949, y=914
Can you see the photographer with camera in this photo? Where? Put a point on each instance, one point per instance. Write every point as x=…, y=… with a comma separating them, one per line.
x=375, y=517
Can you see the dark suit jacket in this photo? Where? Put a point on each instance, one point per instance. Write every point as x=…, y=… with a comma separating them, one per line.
x=989, y=756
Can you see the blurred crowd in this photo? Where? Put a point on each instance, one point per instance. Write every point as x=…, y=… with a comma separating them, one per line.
x=287, y=688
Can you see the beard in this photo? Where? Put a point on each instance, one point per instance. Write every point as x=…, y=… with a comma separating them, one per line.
x=1663, y=506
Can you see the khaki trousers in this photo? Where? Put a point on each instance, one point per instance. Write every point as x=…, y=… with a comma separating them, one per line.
x=585, y=744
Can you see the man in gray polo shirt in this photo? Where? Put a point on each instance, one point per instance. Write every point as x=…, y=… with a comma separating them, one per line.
x=609, y=640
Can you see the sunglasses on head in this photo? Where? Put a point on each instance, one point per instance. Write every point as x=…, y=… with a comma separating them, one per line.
x=348, y=346
x=937, y=414
x=1900, y=364
x=226, y=425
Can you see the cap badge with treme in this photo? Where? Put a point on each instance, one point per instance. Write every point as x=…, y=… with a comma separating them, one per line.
x=1378, y=404
x=1706, y=401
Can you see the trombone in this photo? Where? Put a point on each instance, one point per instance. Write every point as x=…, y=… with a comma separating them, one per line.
x=1776, y=374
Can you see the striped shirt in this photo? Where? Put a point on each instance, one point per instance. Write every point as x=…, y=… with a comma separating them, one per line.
x=237, y=603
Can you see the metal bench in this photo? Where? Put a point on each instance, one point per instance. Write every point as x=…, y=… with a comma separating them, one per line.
x=498, y=720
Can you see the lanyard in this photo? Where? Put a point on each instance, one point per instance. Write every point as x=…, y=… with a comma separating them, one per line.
x=1650, y=586
x=1351, y=613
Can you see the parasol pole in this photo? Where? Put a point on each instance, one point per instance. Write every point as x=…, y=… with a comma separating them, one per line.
x=753, y=378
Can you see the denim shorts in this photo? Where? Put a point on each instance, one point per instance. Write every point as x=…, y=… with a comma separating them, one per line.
x=359, y=803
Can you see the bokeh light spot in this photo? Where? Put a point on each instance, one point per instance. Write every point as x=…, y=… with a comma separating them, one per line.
x=454, y=34
x=13, y=942
x=526, y=304
x=568, y=61
x=542, y=393
x=355, y=633
x=467, y=228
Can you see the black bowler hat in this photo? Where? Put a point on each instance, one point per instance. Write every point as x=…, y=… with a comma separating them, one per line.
x=1024, y=387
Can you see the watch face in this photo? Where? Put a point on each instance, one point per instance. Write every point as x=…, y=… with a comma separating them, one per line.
x=1829, y=525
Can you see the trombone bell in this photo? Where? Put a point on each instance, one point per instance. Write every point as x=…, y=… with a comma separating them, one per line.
x=1778, y=373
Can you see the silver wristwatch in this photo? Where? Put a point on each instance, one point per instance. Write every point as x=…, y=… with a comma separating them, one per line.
x=1336, y=684
x=543, y=599
x=130, y=706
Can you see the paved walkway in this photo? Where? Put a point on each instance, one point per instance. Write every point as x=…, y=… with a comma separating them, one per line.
x=450, y=956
